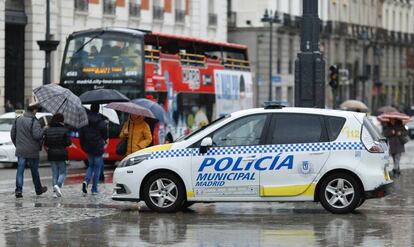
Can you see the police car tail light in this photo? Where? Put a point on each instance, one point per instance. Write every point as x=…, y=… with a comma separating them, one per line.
x=376, y=148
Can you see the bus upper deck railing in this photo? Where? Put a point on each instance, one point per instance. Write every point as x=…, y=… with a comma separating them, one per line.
x=152, y=55
x=233, y=63
x=191, y=59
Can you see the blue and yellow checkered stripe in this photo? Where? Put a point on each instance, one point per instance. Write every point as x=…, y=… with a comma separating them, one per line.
x=282, y=148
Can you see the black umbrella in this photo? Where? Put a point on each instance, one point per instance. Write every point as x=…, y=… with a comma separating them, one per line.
x=56, y=99
x=102, y=96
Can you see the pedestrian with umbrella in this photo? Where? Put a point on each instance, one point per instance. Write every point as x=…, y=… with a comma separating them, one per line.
x=397, y=135
x=157, y=125
x=57, y=138
x=92, y=139
x=136, y=133
x=26, y=135
x=100, y=97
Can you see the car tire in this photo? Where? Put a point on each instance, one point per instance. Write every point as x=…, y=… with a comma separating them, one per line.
x=340, y=193
x=164, y=193
x=361, y=201
x=187, y=204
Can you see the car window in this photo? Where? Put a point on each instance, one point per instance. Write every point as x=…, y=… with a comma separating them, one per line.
x=42, y=122
x=296, y=128
x=6, y=124
x=245, y=131
x=334, y=127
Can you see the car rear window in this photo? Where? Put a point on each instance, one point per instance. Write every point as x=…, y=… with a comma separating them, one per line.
x=334, y=126
x=296, y=128
x=371, y=129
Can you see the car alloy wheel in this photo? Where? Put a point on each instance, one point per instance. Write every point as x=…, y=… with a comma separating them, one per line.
x=163, y=192
x=340, y=193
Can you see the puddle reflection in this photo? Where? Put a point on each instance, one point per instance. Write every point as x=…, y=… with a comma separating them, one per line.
x=211, y=228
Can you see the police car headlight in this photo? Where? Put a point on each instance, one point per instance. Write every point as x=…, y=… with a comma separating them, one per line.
x=134, y=160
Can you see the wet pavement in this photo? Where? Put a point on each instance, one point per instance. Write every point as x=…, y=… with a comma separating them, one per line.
x=74, y=220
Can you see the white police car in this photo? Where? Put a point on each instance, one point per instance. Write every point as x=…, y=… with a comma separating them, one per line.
x=269, y=154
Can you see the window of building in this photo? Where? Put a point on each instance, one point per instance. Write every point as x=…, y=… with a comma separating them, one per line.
x=157, y=10
x=393, y=24
x=387, y=61
x=279, y=55
x=291, y=55
x=394, y=59
x=82, y=5
x=290, y=96
x=135, y=8
x=386, y=18
x=279, y=93
x=109, y=7
x=246, y=131
x=296, y=128
x=212, y=16
x=179, y=11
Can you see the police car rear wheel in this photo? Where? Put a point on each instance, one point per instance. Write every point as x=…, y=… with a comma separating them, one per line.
x=164, y=192
x=340, y=193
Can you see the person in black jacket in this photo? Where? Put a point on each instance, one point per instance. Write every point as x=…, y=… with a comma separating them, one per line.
x=57, y=138
x=92, y=139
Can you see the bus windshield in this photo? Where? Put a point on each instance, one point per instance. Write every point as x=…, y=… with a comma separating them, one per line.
x=114, y=57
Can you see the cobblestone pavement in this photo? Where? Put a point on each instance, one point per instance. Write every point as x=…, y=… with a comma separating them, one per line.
x=36, y=211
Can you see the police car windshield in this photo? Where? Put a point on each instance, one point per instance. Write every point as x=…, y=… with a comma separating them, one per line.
x=218, y=120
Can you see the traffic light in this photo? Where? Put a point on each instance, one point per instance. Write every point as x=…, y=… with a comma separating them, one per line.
x=333, y=77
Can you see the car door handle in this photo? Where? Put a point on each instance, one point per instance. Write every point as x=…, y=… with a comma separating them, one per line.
x=317, y=153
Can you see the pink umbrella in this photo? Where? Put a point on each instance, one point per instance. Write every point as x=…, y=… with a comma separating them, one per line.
x=386, y=117
x=130, y=108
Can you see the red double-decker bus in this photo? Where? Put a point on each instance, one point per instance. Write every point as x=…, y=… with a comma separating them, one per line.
x=195, y=80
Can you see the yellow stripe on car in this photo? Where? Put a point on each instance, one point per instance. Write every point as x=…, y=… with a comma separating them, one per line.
x=292, y=190
x=157, y=148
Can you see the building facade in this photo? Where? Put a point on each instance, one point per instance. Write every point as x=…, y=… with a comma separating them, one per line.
x=22, y=23
x=370, y=41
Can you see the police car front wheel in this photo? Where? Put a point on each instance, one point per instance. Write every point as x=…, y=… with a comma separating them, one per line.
x=340, y=193
x=164, y=192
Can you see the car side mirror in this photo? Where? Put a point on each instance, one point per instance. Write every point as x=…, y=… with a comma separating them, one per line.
x=206, y=143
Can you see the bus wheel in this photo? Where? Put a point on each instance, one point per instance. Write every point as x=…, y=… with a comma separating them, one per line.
x=164, y=192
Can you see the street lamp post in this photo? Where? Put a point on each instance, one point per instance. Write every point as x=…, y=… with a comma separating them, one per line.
x=48, y=45
x=310, y=65
x=268, y=17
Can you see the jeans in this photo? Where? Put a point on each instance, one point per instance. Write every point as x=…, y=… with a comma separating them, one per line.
x=58, y=172
x=94, y=169
x=34, y=168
